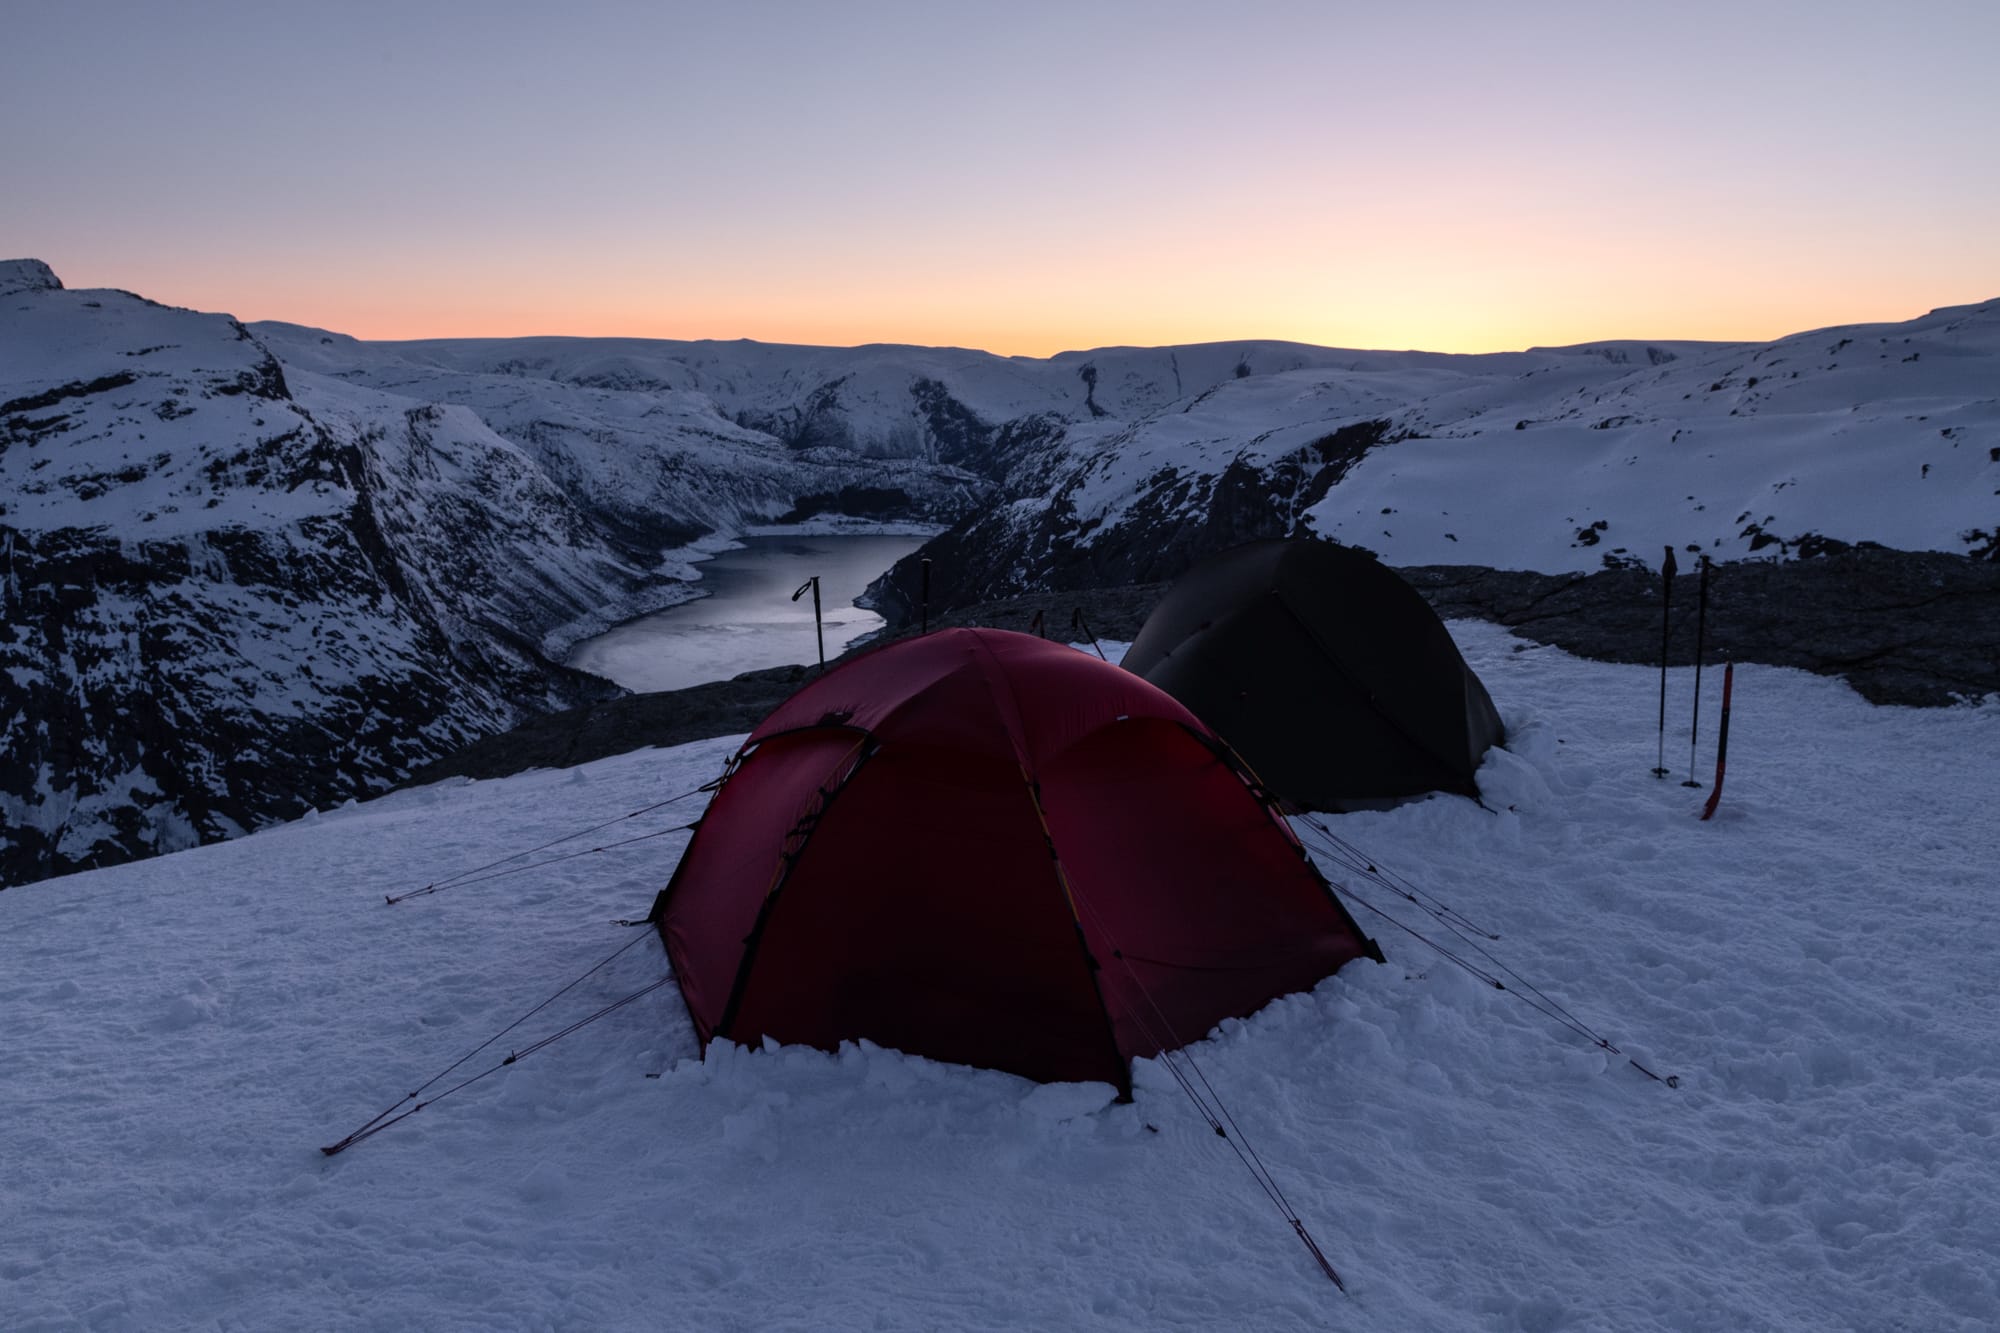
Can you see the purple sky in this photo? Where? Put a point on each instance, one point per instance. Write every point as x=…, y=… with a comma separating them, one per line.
x=1020, y=177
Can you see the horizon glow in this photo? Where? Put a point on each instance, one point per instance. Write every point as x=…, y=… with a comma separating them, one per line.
x=1025, y=179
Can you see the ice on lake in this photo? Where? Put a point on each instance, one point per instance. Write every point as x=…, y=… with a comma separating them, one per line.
x=749, y=619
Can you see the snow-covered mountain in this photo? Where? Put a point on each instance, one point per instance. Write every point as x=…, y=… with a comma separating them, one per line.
x=234, y=590
x=246, y=570
x=1555, y=460
x=1123, y=464
x=221, y=607
x=646, y=443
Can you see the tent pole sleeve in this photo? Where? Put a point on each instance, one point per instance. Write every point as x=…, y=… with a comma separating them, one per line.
x=788, y=859
x=1264, y=797
x=1451, y=782
x=1123, y=1079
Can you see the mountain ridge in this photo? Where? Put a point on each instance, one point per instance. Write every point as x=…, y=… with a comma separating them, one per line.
x=249, y=570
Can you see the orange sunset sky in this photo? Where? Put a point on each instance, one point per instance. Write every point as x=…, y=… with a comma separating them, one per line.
x=1023, y=178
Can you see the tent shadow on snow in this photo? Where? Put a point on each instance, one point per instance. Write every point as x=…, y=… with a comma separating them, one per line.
x=1330, y=676
x=984, y=848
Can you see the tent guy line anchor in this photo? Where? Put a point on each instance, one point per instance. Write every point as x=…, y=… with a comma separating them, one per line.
x=1208, y=1103
x=390, y=1115
x=372, y=1129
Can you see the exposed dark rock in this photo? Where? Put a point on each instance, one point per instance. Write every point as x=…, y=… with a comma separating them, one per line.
x=117, y=696
x=1900, y=627
x=870, y=502
x=35, y=402
x=27, y=275
x=1010, y=550
x=957, y=435
x=817, y=422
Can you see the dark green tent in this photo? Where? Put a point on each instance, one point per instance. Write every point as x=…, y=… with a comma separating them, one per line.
x=1328, y=674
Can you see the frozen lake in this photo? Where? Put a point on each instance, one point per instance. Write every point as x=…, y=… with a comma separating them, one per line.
x=749, y=619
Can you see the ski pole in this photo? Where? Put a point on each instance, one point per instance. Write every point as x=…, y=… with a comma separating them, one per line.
x=819, y=628
x=1700, y=634
x=1076, y=621
x=1667, y=570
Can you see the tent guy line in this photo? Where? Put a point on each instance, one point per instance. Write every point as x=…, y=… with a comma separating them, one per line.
x=1363, y=864
x=389, y=1116
x=538, y=865
x=1208, y=1104
x=1524, y=990
x=466, y=876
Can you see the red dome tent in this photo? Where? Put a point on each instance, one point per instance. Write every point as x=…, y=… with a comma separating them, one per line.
x=988, y=849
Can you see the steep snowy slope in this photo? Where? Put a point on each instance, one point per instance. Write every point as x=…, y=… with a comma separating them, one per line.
x=220, y=607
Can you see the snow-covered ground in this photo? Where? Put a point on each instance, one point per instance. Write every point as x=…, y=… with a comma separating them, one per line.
x=1552, y=459
x=1815, y=965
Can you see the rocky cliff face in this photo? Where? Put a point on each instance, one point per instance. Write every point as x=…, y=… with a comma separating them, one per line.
x=27, y=275
x=218, y=608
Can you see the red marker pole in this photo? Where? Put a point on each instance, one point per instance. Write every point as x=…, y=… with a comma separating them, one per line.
x=1722, y=743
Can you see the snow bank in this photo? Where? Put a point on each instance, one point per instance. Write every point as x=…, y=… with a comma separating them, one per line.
x=1814, y=965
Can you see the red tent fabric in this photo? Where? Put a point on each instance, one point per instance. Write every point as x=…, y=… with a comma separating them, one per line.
x=985, y=848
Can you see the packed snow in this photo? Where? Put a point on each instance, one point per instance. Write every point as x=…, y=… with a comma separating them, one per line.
x=1813, y=967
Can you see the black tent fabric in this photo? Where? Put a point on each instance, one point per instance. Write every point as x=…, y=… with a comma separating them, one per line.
x=1327, y=673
